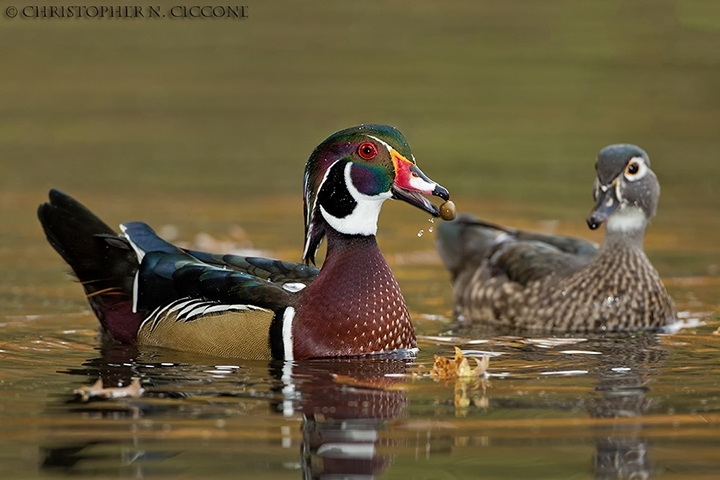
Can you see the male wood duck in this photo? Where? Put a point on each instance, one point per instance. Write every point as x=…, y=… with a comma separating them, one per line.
x=530, y=281
x=149, y=292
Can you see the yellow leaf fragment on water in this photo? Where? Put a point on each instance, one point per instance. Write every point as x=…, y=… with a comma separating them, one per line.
x=459, y=367
x=97, y=390
x=444, y=368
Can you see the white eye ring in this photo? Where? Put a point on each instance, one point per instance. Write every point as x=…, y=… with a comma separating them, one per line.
x=642, y=169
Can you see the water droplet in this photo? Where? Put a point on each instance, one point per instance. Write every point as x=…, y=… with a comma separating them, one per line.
x=430, y=229
x=431, y=220
x=421, y=233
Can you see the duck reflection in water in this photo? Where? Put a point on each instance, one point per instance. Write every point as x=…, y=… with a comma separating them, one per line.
x=623, y=368
x=626, y=368
x=344, y=404
x=345, y=407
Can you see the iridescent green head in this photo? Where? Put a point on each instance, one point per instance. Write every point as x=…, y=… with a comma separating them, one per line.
x=351, y=173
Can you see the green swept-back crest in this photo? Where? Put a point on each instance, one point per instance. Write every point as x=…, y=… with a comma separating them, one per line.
x=337, y=147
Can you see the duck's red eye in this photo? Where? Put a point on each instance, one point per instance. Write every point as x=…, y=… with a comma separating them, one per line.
x=367, y=151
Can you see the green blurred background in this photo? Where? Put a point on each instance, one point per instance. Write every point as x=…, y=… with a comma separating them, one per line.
x=206, y=122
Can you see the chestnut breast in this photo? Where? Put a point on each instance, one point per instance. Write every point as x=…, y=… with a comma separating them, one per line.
x=354, y=306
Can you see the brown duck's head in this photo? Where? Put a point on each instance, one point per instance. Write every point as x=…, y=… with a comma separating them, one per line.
x=626, y=190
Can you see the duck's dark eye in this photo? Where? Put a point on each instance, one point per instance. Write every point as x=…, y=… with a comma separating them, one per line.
x=633, y=168
x=367, y=150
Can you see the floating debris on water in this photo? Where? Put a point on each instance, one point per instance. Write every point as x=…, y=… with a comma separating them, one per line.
x=470, y=383
x=97, y=390
x=459, y=367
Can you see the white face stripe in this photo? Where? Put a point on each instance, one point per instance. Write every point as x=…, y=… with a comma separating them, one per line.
x=287, y=335
x=643, y=169
x=415, y=182
x=311, y=210
x=307, y=241
x=363, y=220
x=618, y=190
x=357, y=194
x=389, y=148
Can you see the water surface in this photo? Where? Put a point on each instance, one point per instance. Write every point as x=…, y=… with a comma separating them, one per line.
x=203, y=128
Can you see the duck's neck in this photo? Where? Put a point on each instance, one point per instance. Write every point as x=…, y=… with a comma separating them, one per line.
x=621, y=257
x=622, y=251
x=354, y=306
x=623, y=243
x=626, y=229
x=624, y=286
x=631, y=240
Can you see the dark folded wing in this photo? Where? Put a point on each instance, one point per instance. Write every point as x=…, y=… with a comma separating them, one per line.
x=168, y=273
x=275, y=271
x=524, y=261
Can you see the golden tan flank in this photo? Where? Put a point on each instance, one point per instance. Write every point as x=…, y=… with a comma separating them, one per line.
x=241, y=334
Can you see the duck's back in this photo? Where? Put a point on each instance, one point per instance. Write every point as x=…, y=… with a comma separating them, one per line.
x=619, y=290
x=539, y=282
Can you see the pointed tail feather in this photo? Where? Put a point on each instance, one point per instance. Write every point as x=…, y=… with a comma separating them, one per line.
x=104, y=262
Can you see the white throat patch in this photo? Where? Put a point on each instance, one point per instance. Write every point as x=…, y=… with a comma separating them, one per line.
x=626, y=219
x=362, y=220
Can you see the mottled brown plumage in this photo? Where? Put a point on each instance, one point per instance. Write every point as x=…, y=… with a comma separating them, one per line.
x=525, y=281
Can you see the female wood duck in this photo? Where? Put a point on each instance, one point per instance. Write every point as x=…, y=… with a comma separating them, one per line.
x=147, y=291
x=531, y=281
